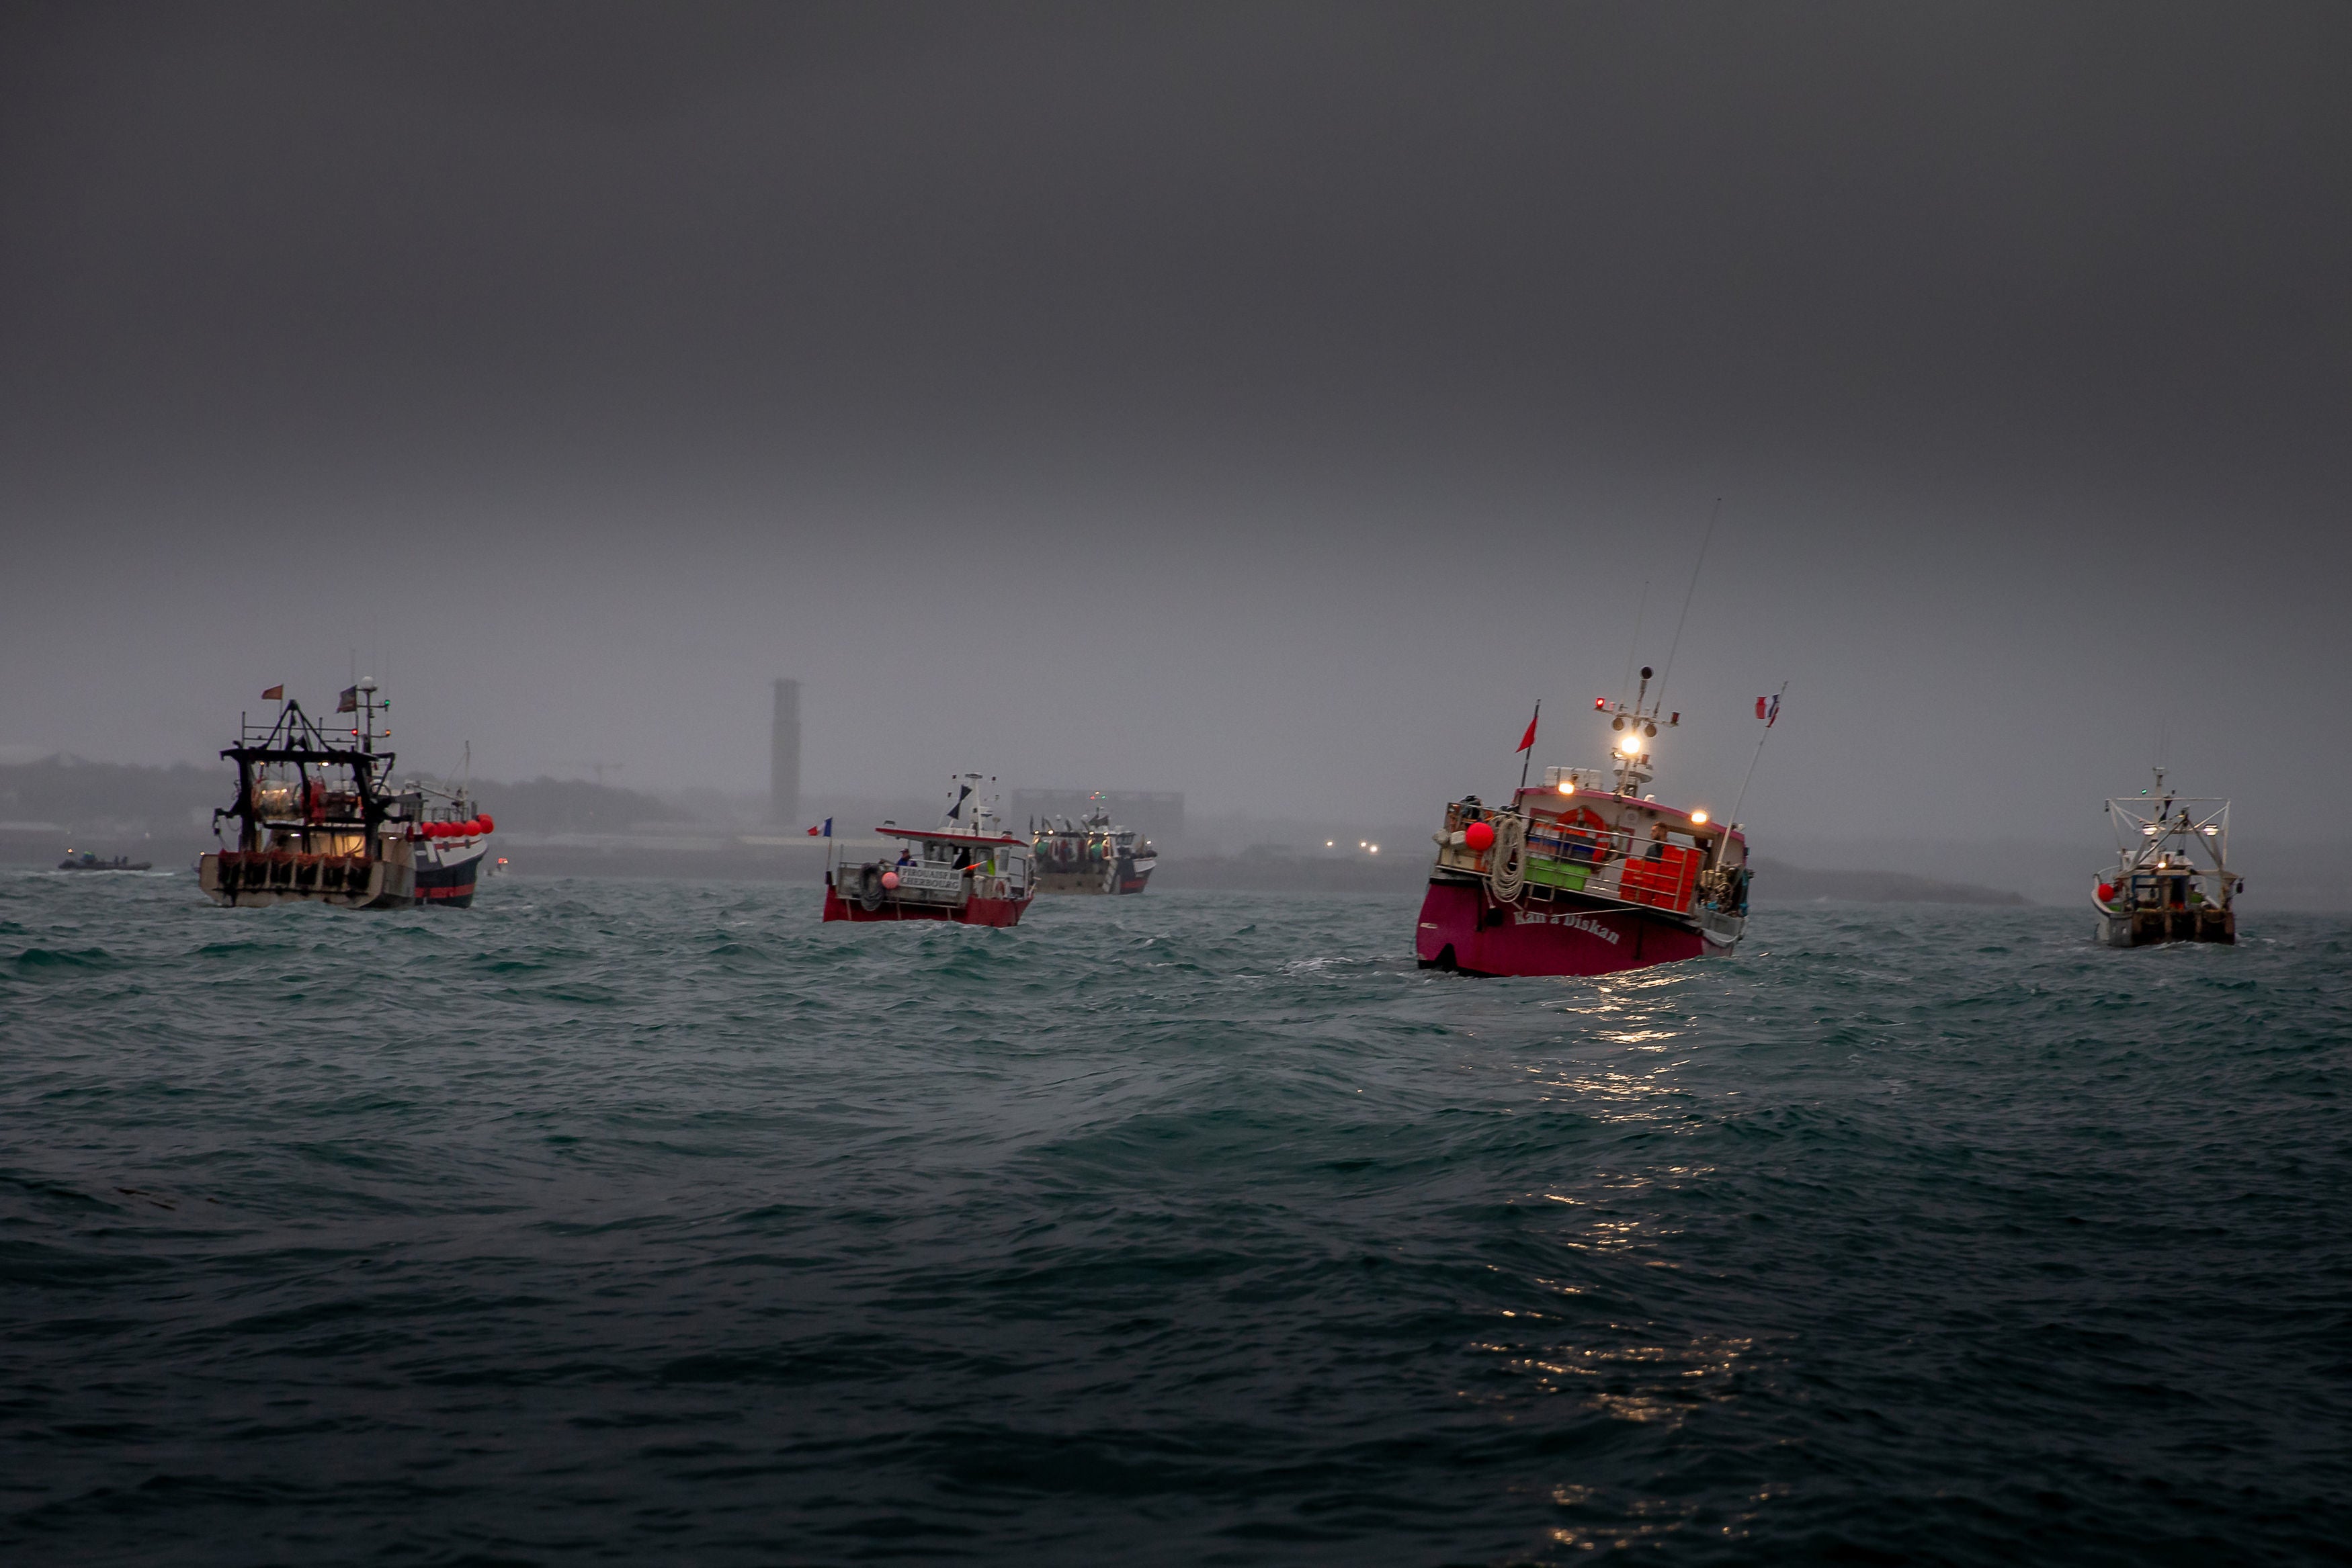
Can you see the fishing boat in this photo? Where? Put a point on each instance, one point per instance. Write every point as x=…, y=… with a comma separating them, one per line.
x=452, y=838
x=2171, y=880
x=317, y=820
x=968, y=869
x=1584, y=873
x=1090, y=855
x=88, y=861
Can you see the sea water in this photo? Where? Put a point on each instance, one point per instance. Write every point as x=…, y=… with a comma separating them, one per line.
x=659, y=1222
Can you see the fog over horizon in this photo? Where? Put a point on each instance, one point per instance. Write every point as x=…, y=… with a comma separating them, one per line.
x=1268, y=403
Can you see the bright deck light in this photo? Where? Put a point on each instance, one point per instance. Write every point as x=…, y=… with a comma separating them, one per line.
x=1566, y=787
x=1698, y=816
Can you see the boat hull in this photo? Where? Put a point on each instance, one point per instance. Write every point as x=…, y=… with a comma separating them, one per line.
x=256, y=878
x=1463, y=928
x=1122, y=875
x=2148, y=927
x=971, y=912
x=447, y=870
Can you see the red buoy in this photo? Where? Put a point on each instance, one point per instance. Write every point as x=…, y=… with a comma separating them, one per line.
x=890, y=881
x=2106, y=891
x=1479, y=836
x=487, y=825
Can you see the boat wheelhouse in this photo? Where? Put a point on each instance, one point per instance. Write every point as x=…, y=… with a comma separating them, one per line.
x=1090, y=855
x=967, y=870
x=1584, y=875
x=2171, y=880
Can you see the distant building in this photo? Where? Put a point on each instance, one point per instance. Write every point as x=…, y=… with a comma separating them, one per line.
x=1157, y=814
x=784, y=756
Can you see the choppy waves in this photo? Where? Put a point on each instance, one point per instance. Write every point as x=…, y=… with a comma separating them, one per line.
x=660, y=1222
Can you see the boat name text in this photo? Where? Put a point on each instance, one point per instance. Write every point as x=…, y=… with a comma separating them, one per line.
x=1584, y=923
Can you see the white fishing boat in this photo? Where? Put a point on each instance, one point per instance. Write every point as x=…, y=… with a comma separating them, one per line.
x=2171, y=880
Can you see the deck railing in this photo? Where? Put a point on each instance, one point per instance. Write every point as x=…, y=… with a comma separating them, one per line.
x=1608, y=863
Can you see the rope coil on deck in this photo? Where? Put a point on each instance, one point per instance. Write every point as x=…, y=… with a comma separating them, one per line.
x=1507, y=861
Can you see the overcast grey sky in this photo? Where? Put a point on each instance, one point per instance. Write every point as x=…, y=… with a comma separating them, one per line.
x=1265, y=401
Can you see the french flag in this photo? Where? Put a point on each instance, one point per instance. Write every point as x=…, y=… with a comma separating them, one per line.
x=824, y=832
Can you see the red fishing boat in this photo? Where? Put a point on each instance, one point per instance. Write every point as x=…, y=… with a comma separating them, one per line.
x=967, y=870
x=1584, y=875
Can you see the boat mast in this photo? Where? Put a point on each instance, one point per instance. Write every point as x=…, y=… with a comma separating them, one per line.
x=1634, y=724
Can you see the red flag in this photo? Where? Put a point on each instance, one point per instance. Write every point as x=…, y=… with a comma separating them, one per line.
x=274, y=695
x=1529, y=740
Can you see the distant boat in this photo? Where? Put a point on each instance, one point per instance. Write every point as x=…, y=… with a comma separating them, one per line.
x=1090, y=855
x=2171, y=880
x=318, y=822
x=452, y=836
x=967, y=870
x=88, y=861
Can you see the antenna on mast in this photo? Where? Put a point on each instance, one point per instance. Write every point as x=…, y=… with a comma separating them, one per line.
x=1634, y=646
x=1675, y=646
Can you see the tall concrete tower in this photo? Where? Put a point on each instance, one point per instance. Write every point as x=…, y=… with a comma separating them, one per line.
x=784, y=756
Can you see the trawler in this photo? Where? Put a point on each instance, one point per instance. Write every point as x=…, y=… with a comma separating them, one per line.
x=318, y=822
x=452, y=836
x=1090, y=855
x=2171, y=880
x=967, y=870
x=1586, y=873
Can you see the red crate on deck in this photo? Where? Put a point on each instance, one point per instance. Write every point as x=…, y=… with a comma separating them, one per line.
x=1664, y=883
